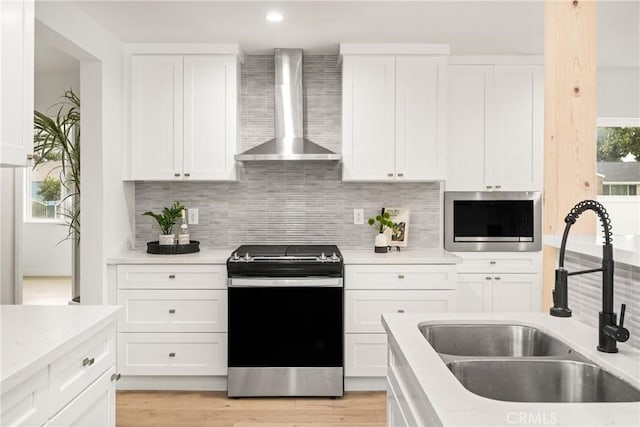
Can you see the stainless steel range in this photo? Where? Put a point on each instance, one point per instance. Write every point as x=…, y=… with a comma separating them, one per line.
x=285, y=321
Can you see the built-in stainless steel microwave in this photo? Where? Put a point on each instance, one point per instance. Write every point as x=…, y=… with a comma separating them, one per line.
x=496, y=221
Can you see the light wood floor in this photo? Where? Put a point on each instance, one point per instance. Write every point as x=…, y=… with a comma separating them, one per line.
x=46, y=290
x=213, y=409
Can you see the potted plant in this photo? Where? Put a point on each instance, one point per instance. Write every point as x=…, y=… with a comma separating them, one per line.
x=381, y=223
x=56, y=141
x=166, y=220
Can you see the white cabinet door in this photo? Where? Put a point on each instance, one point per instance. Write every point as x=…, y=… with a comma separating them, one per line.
x=368, y=104
x=210, y=117
x=420, y=113
x=365, y=355
x=156, y=117
x=95, y=406
x=516, y=293
x=518, y=127
x=469, y=127
x=16, y=81
x=474, y=293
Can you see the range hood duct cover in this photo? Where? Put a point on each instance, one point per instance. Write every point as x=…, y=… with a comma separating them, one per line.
x=289, y=142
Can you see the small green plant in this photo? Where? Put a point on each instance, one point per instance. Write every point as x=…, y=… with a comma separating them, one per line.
x=50, y=189
x=382, y=222
x=168, y=217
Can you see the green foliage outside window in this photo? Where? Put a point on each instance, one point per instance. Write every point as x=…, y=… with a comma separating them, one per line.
x=614, y=143
x=50, y=189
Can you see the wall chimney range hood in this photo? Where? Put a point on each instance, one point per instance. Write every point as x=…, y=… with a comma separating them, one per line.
x=289, y=142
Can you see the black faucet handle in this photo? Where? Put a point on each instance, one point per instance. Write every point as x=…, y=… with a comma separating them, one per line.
x=617, y=332
x=622, y=310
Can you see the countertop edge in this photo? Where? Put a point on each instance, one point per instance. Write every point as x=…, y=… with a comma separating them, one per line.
x=15, y=378
x=626, y=252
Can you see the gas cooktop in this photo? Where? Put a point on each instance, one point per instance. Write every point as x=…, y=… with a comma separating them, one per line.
x=285, y=261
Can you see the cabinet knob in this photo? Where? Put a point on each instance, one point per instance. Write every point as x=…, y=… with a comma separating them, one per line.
x=187, y=175
x=401, y=311
x=176, y=174
x=115, y=377
x=400, y=276
x=497, y=278
x=389, y=174
x=489, y=186
x=172, y=355
x=88, y=362
x=400, y=174
x=172, y=311
x=492, y=262
x=30, y=157
x=172, y=276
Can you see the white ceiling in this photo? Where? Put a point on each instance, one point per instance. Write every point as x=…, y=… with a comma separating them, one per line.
x=470, y=27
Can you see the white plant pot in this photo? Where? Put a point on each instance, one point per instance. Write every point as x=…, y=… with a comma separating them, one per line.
x=381, y=243
x=167, y=239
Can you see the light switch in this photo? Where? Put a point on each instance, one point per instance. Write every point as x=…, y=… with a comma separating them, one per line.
x=358, y=216
x=192, y=214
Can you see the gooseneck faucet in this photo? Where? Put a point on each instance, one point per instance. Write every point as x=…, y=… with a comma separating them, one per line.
x=609, y=333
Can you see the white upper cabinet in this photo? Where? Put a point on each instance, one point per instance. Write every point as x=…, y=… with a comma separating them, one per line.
x=184, y=117
x=393, y=115
x=16, y=82
x=495, y=127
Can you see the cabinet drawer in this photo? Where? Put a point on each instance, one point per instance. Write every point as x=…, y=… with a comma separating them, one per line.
x=399, y=276
x=173, y=310
x=365, y=355
x=172, y=277
x=172, y=354
x=75, y=370
x=363, y=309
x=26, y=404
x=503, y=262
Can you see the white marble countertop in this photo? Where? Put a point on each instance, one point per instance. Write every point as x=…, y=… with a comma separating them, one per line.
x=219, y=256
x=456, y=406
x=32, y=336
x=626, y=248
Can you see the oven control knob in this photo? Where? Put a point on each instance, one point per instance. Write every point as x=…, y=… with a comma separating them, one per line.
x=236, y=256
x=334, y=257
x=247, y=257
x=323, y=257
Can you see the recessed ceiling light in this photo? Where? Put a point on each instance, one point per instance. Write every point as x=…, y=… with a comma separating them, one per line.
x=274, y=17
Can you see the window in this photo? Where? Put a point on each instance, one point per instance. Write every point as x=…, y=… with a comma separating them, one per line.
x=44, y=193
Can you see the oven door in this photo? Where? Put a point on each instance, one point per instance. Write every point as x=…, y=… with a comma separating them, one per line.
x=278, y=322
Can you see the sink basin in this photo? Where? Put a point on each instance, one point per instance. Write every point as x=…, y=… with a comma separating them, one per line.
x=492, y=340
x=527, y=380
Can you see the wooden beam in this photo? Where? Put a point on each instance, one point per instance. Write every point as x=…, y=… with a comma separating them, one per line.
x=570, y=120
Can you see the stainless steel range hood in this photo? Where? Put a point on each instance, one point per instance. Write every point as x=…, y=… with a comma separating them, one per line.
x=289, y=143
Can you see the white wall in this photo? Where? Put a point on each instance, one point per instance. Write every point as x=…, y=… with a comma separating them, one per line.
x=104, y=215
x=618, y=92
x=8, y=237
x=50, y=86
x=624, y=212
x=44, y=250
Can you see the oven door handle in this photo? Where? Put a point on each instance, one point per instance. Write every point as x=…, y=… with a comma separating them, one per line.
x=291, y=282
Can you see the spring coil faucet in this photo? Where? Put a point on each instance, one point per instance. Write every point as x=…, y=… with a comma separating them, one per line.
x=609, y=333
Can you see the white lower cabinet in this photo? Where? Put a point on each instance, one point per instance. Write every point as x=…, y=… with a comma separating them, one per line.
x=371, y=290
x=174, y=326
x=95, y=406
x=26, y=404
x=499, y=282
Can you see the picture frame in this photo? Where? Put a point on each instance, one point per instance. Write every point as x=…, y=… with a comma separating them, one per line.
x=401, y=217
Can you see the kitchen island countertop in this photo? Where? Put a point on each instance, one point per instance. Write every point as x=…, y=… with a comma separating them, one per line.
x=33, y=335
x=446, y=400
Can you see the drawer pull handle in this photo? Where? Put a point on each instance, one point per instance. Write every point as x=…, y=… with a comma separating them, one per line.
x=172, y=311
x=492, y=262
x=497, y=278
x=172, y=355
x=400, y=276
x=176, y=174
x=401, y=311
x=498, y=186
x=489, y=186
x=487, y=278
x=400, y=174
x=116, y=377
x=172, y=276
x=187, y=175
x=88, y=362
x=389, y=174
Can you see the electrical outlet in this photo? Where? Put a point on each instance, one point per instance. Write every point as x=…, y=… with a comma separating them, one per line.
x=358, y=216
x=192, y=214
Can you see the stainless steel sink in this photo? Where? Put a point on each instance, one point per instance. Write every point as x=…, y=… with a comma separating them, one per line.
x=493, y=340
x=541, y=380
